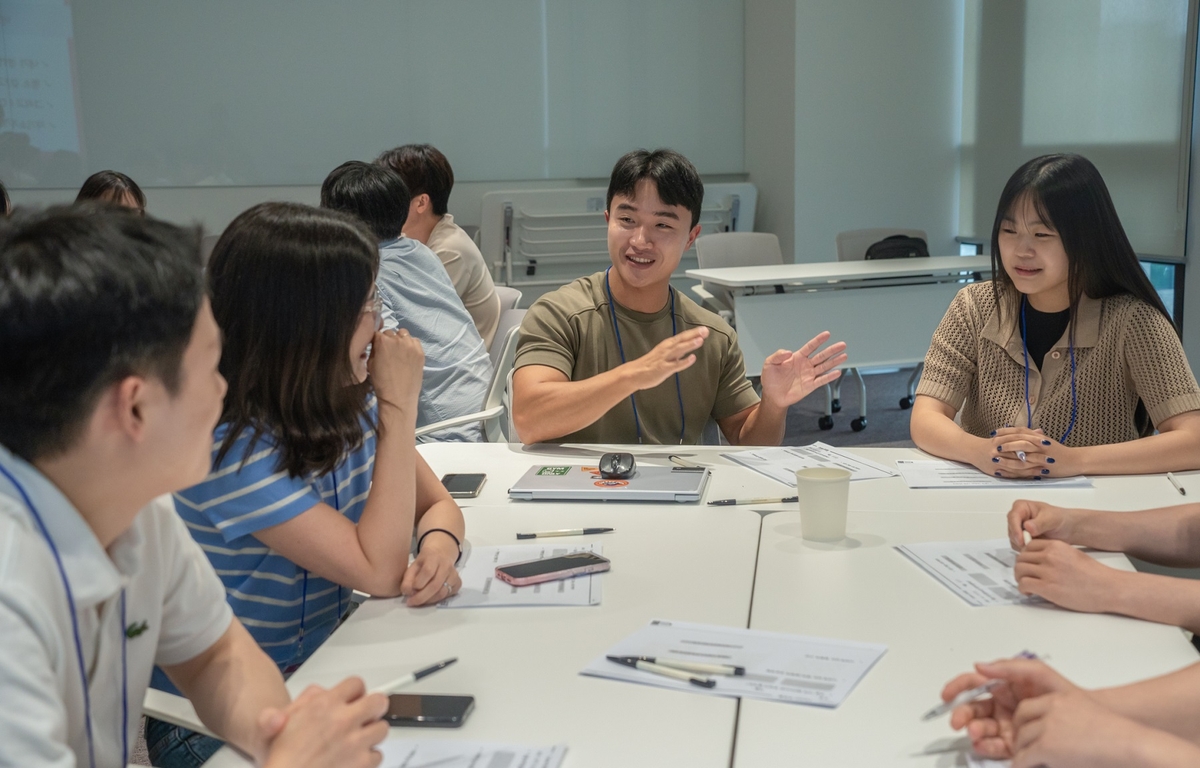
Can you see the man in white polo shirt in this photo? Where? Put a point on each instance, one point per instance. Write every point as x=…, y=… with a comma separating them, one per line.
x=110, y=392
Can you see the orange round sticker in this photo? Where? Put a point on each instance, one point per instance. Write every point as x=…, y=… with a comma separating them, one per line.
x=611, y=483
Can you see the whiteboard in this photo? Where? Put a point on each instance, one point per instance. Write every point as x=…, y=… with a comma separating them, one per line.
x=279, y=92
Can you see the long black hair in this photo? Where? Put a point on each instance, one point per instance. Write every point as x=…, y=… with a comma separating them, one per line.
x=1070, y=197
x=288, y=285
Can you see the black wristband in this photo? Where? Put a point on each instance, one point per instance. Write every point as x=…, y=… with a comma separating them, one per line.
x=458, y=543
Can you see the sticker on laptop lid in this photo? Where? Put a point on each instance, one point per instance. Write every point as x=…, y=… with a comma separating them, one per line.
x=557, y=471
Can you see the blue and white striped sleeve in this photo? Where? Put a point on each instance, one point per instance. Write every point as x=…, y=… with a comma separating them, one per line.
x=243, y=498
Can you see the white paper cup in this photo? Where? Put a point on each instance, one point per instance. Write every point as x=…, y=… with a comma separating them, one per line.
x=824, y=493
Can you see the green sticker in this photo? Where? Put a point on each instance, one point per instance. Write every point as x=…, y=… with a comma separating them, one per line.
x=558, y=471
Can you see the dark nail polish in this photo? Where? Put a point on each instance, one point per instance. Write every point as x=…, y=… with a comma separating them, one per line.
x=1045, y=471
x=1049, y=460
x=1045, y=442
x=997, y=474
x=999, y=447
x=993, y=433
x=995, y=459
x=1037, y=477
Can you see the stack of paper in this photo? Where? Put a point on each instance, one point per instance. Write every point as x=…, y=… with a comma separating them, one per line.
x=781, y=463
x=480, y=586
x=779, y=667
x=409, y=753
x=936, y=473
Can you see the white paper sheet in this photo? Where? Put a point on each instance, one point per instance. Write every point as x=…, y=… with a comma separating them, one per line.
x=975, y=761
x=481, y=587
x=779, y=667
x=780, y=464
x=936, y=473
x=981, y=572
x=450, y=753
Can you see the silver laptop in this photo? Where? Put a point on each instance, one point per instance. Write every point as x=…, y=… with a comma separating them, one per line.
x=561, y=482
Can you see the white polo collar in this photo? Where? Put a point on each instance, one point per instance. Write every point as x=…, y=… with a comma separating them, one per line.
x=95, y=575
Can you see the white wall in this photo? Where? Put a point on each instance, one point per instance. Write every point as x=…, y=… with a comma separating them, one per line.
x=877, y=105
x=770, y=99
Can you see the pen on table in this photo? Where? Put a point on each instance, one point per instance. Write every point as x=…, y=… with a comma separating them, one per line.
x=740, y=502
x=1175, y=482
x=563, y=532
x=412, y=677
x=973, y=694
x=658, y=669
x=679, y=460
x=727, y=670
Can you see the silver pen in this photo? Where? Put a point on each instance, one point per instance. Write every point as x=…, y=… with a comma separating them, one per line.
x=974, y=694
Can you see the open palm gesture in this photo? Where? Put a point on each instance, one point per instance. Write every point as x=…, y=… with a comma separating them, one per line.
x=787, y=377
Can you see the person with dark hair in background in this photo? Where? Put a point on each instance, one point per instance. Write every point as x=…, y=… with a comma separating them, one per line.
x=5, y=202
x=418, y=296
x=316, y=488
x=113, y=187
x=622, y=357
x=110, y=391
x=429, y=178
x=1067, y=357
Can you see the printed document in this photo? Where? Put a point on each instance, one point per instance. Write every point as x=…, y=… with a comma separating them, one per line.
x=779, y=667
x=480, y=586
x=936, y=473
x=448, y=753
x=980, y=572
x=780, y=464
x=975, y=761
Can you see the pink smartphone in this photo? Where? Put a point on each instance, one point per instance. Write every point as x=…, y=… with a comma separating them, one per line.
x=551, y=569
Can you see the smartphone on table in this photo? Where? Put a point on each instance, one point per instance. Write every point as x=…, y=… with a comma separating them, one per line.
x=552, y=569
x=428, y=711
x=464, y=486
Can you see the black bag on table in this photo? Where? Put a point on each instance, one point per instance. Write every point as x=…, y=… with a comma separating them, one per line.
x=898, y=247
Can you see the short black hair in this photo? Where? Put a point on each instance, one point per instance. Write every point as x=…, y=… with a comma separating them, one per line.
x=5, y=202
x=674, y=176
x=88, y=295
x=111, y=186
x=425, y=170
x=376, y=195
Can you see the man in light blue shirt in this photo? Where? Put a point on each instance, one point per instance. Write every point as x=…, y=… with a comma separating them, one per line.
x=417, y=295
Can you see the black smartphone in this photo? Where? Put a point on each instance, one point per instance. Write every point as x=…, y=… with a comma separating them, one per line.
x=427, y=711
x=464, y=486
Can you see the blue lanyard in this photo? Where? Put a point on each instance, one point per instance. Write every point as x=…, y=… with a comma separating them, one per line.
x=612, y=308
x=1071, y=351
x=304, y=589
x=87, y=699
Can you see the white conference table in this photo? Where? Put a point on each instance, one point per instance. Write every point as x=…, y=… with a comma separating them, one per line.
x=885, y=310
x=736, y=566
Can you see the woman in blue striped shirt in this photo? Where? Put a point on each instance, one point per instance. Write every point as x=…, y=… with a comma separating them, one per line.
x=293, y=515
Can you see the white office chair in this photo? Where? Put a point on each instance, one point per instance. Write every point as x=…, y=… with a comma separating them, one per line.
x=732, y=249
x=498, y=401
x=852, y=245
x=509, y=298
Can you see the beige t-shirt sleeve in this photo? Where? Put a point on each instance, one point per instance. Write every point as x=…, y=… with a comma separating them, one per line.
x=547, y=338
x=1158, y=366
x=734, y=393
x=952, y=361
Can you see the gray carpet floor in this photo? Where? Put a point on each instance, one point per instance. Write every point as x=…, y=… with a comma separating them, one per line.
x=887, y=423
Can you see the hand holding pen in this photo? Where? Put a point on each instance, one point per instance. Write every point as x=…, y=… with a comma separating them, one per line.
x=989, y=721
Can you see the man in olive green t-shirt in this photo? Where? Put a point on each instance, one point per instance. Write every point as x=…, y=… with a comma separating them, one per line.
x=622, y=357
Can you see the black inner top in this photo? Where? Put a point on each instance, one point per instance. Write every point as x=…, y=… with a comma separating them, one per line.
x=1042, y=330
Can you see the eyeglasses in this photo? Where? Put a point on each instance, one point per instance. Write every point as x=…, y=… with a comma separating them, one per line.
x=375, y=307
